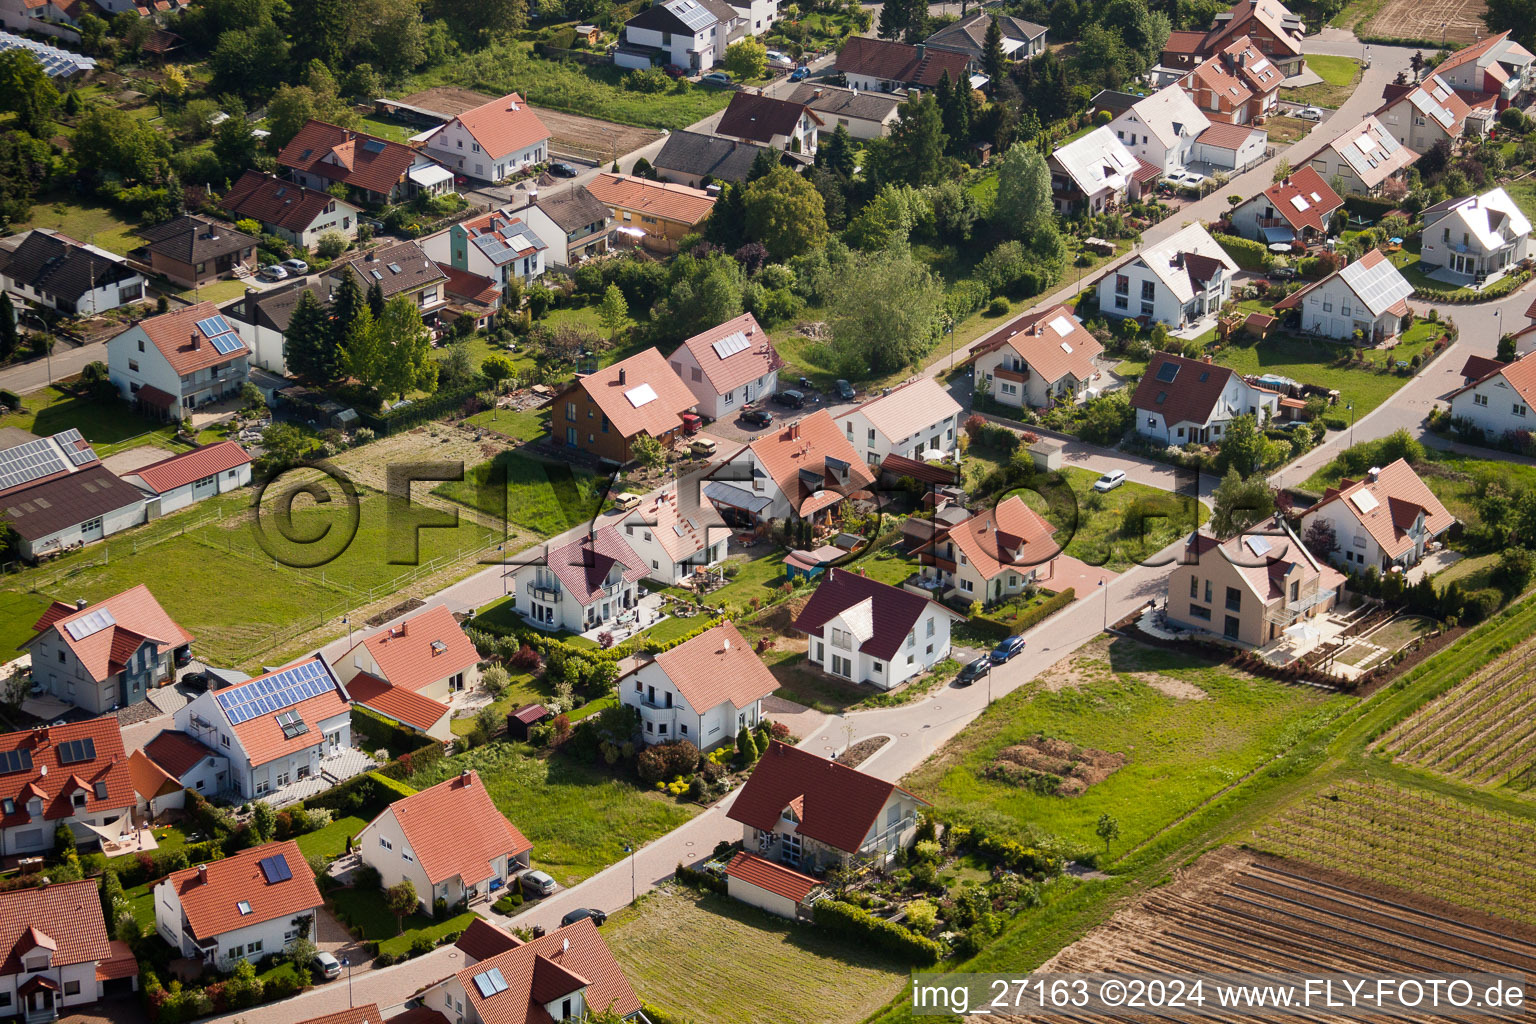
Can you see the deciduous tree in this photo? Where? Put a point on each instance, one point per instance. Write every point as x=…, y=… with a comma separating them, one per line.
x=27, y=91
x=1238, y=502
x=1023, y=199
x=785, y=212
x=613, y=312
x=405, y=350
x=747, y=59
x=401, y=901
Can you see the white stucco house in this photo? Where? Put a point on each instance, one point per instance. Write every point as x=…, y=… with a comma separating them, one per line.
x=675, y=535
x=691, y=34
x=497, y=245
x=802, y=469
x=703, y=691
x=492, y=141
x=914, y=418
x=729, y=366
x=1037, y=360
x=994, y=555
x=1185, y=401
x=190, y=477
x=581, y=585
x=57, y=954
x=1477, y=238
x=1500, y=400
x=75, y=774
x=195, y=765
x=449, y=841
x=244, y=907
x=292, y=212
x=55, y=271
x=1368, y=297
x=276, y=729
x=412, y=671
x=871, y=632
x=1386, y=519
x=1162, y=128
x=1096, y=172
x=170, y=364
x=1178, y=282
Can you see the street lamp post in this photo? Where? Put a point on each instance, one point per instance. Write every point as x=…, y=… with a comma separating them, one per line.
x=47, y=340
x=1351, y=407
x=346, y=620
x=989, y=684
x=347, y=963
x=1105, y=591
x=630, y=849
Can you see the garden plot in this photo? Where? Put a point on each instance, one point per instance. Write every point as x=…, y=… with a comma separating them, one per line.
x=1458, y=22
x=1054, y=766
x=1481, y=731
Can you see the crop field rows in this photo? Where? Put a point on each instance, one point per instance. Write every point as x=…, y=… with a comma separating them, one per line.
x=1480, y=731
x=1233, y=912
x=1407, y=838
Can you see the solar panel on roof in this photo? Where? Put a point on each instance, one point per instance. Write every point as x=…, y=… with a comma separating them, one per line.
x=275, y=868
x=690, y=13
x=287, y=688
x=213, y=325
x=373, y=146
x=490, y=983
x=1258, y=545
x=13, y=761
x=731, y=344
x=76, y=751
x=80, y=456
x=224, y=344
x=27, y=462
x=1167, y=372
x=640, y=395
x=1364, y=500
x=89, y=624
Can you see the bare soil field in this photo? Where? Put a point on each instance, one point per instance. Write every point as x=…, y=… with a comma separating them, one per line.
x=584, y=136
x=369, y=464
x=1235, y=911
x=1421, y=19
x=1054, y=766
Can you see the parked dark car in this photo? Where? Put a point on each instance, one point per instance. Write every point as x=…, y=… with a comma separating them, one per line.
x=757, y=417
x=806, y=385
x=1281, y=273
x=674, y=71
x=972, y=672
x=1007, y=649
x=561, y=169
x=793, y=399
x=799, y=74
x=598, y=917
x=845, y=390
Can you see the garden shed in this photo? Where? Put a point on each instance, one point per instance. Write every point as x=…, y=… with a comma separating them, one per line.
x=525, y=718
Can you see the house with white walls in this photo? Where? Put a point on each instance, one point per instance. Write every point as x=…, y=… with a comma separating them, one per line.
x=1363, y=160
x=1365, y=302
x=1387, y=519
x=277, y=729
x=245, y=907
x=1161, y=128
x=579, y=586
x=1295, y=209
x=994, y=555
x=871, y=632
x=914, y=421
x=291, y=212
x=55, y=271
x=449, y=841
x=705, y=690
x=1425, y=113
x=802, y=469
x=193, y=764
x=496, y=245
x=1183, y=401
x=189, y=477
x=490, y=142
x=108, y=655
x=729, y=366
x=173, y=363
x=675, y=534
x=75, y=774
x=1478, y=238
x=1037, y=360
x=412, y=671
x=1096, y=172
x=691, y=34
x=58, y=956
x=1499, y=401
x=1181, y=280
x=261, y=318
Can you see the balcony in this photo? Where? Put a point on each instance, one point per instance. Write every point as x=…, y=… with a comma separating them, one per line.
x=875, y=845
x=549, y=594
x=1017, y=376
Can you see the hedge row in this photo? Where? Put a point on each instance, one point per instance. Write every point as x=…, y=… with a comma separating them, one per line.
x=1245, y=252
x=367, y=794
x=702, y=880
x=1028, y=618
x=861, y=926
x=405, y=416
x=385, y=732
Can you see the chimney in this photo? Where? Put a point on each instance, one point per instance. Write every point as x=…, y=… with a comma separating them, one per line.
x=816, y=93
x=922, y=51
x=623, y=376
x=370, y=256
x=79, y=603
x=464, y=776
x=197, y=340
x=1373, y=474
x=202, y=872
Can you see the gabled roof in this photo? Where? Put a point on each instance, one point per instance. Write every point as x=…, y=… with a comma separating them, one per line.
x=1492, y=219
x=1169, y=114
x=397, y=702
x=1372, y=279
x=483, y=940
x=504, y=126
x=969, y=34
x=837, y=805
x=775, y=878
x=1304, y=199
x=56, y=265
x=680, y=532
x=707, y=156
x=1224, y=135
x=273, y=309
x=396, y=269
x=545, y=969
x=685, y=17
x=887, y=614
x=583, y=565
x=187, y=467
x=271, y=200
x=455, y=831
x=573, y=209
x=1520, y=375
x=1393, y=501
x=652, y=198
x=368, y=1013
x=759, y=118
x=149, y=779
x=849, y=103
x=748, y=353
x=1183, y=390
x=105, y=634
x=804, y=447
x=185, y=345
x=214, y=895
x=1050, y=341
x=1097, y=161
x=1487, y=53
x=468, y=287
x=717, y=666
x=188, y=239
x=177, y=752
x=68, y=913
x=261, y=735
x=1372, y=152
x=900, y=62
x=1283, y=26
x=1478, y=368
x=1184, y=261
x=1266, y=561
x=52, y=766
x=43, y=509
x=909, y=408
x=502, y=238
x=1011, y=536
x=352, y=158
x=422, y=649
x=640, y=394
x=1435, y=101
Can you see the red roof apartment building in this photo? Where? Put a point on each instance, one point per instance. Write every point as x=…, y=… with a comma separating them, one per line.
x=244, y=907
x=75, y=775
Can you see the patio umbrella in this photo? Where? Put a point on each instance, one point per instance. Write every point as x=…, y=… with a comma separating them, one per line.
x=1280, y=247
x=1302, y=632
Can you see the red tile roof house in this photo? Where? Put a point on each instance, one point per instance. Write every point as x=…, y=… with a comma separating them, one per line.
x=107, y=655
x=799, y=471
x=565, y=975
x=498, y=245
x=172, y=363
x=871, y=632
x=185, y=479
x=190, y=762
x=157, y=790
x=61, y=496
x=1496, y=398
x=703, y=691
x=280, y=731
x=374, y=170
x=243, y=907
x=1037, y=359
x=1388, y=518
x=491, y=142
x=675, y=535
x=75, y=774
x=912, y=419
x=603, y=412
x=1294, y=210
x=410, y=672
x=728, y=367
x=880, y=65
x=290, y=211
x=57, y=954
x=449, y=841
x=1497, y=66
x=994, y=555
x=581, y=585
x=1184, y=401
x=812, y=814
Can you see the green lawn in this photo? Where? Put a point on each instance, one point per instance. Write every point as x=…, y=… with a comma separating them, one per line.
x=757, y=577
x=141, y=901
x=1472, y=573
x=1454, y=478
x=215, y=291
x=50, y=410
x=707, y=958
x=330, y=842
x=1524, y=195
x=1179, y=751
x=365, y=912
x=545, y=498
x=1406, y=260
x=577, y=816
x=528, y=425
x=86, y=221
x=18, y=610
x=1339, y=77
x=1310, y=362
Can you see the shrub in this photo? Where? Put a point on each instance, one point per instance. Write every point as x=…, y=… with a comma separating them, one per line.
x=922, y=916
x=998, y=307
x=421, y=945
x=366, y=878
x=702, y=879
x=1245, y=252
x=666, y=761
x=1480, y=604
x=849, y=921
x=926, y=851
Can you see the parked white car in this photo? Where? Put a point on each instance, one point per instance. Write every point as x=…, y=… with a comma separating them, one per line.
x=1109, y=481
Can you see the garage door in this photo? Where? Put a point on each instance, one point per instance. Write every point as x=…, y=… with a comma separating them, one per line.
x=31, y=839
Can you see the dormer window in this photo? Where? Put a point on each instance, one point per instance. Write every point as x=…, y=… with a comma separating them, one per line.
x=78, y=799
x=788, y=814
x=34, y=807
